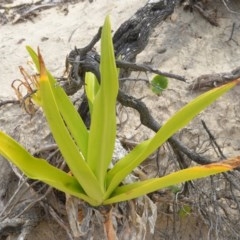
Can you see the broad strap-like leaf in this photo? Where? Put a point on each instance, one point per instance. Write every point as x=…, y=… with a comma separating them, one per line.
x=40, y=169
x=180, y=119
x=141, y=188
x=103, y=124
x=63, y=137
x=68, y=112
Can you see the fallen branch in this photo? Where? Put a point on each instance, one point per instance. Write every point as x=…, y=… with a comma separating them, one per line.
x=208, y=81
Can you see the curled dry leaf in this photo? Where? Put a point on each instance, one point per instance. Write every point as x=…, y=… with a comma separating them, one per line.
x=25, y=88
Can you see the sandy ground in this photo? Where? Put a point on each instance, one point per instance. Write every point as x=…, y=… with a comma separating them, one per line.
x=80, y=25
x=192, y=47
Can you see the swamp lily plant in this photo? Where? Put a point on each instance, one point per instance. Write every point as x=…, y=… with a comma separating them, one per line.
x=88, y=153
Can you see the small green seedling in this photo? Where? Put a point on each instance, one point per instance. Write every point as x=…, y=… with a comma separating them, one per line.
x=159, y=84
x=88, y=153
x=184, y=211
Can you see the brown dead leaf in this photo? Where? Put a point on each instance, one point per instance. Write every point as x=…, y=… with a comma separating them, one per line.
x=108, y=225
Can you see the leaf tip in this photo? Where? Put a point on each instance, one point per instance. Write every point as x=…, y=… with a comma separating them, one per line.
x=43, y=72
x=232, y=162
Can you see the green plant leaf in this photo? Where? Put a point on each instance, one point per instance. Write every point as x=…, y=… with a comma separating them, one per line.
x=159, y=83
x=180, y=119
x=184, y=211
x=91, y=88
x=40, y=169
x=141, y=188
x=174, y=189
x=103, y=125
x=34, y=57
x=70, y=116
x=63, y=137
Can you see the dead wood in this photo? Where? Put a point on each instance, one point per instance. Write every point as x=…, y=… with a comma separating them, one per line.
x=209, y=81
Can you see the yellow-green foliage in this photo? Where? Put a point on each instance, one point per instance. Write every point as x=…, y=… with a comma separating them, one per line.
x=89, y=153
